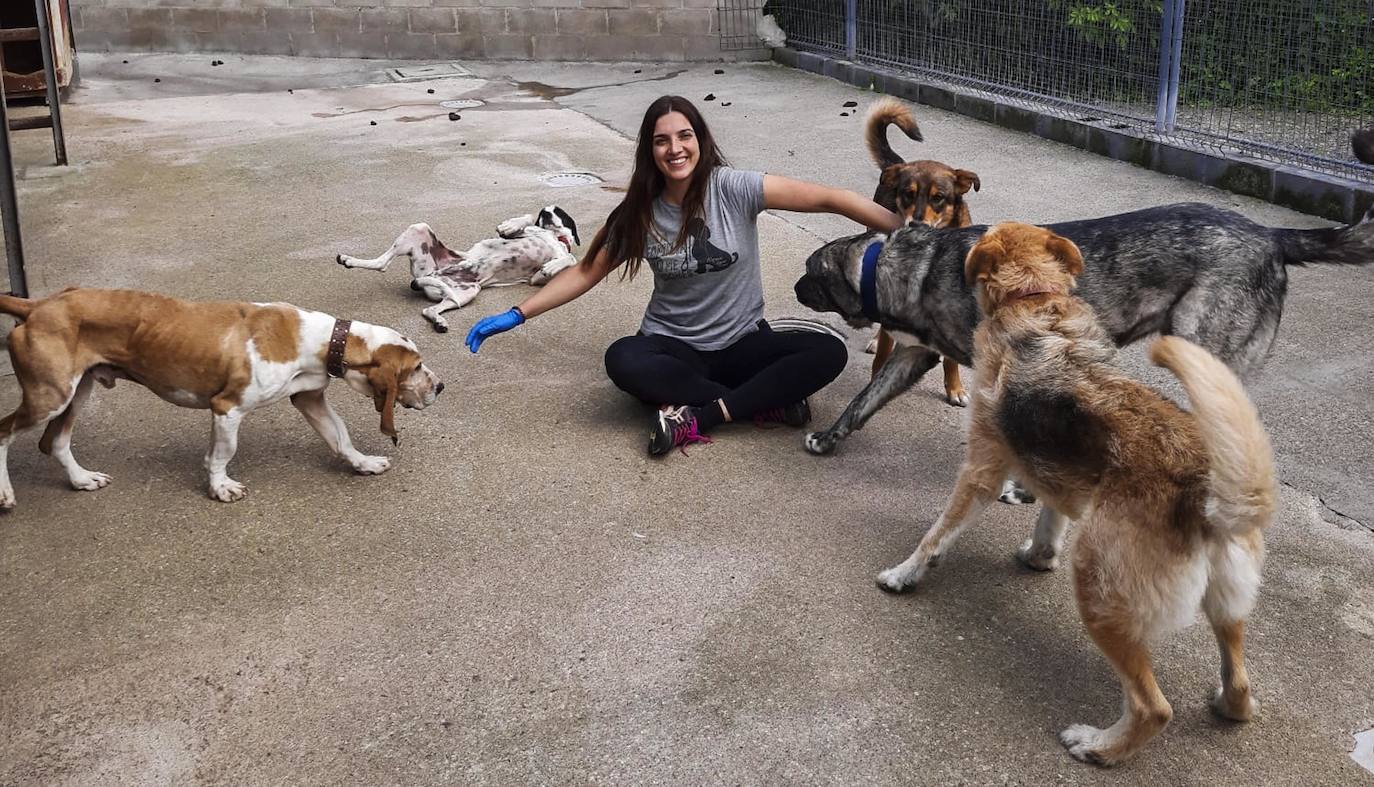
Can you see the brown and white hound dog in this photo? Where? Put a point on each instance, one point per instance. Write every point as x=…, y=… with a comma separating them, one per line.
x=529, y=249
x=229, y=358
x=924, y=192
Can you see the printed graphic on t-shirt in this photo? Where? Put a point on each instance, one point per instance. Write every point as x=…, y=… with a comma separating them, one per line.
x=697, y=256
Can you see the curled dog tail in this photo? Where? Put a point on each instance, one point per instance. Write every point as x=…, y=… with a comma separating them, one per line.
x=1243, y=496
x=888, y=112
x=15, y=306
x=1349, y=245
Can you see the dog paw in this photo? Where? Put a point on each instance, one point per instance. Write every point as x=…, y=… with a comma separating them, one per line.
x=957, y=398
x=1039, y=558
x=227, y=491
x=372, y=465
x=1083, y=742
x=896, y=580
x=819, y=444
x=7, y=501
x=511, y=227
x=1241, y=708
x=440, y=327
x=89, y=481
x=342, y=260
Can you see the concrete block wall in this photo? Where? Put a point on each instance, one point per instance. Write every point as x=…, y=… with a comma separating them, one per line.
x=653, y=30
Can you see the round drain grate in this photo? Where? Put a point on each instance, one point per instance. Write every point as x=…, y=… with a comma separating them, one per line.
x=565, y=179
x=460, y=103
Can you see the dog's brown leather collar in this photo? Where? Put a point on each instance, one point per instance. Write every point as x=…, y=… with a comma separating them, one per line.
x=334, y=361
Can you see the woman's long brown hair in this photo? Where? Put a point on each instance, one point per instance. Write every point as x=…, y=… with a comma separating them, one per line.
x=625, y=234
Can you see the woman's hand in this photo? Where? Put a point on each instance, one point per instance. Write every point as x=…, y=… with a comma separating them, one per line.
x=493, y=324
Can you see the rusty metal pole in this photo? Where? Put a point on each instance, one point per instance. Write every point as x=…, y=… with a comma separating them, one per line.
x=9, y=207
x=59, y=143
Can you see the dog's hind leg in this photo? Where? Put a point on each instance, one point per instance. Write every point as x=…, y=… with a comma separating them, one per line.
x=57, y=441
x=1231, y=589
x=1041, y=550
x=417, y=242
x=1145, y=711
x=1231, y=323
x=979, y=480
x=1106, y=605
x=903, y=369
x=330, y=426
x=45, y=395
x=450, y=297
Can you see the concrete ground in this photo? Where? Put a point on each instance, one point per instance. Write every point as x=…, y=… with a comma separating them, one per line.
x=526, y=597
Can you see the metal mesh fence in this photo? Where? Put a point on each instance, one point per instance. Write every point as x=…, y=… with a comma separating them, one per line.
x=1282, y=80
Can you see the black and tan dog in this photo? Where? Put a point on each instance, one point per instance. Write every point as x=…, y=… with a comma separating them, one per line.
x=924, y=192
x=1207, y=274
x=1172, y=505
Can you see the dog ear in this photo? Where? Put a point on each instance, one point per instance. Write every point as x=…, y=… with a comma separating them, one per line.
x=569, y=223
x=1066, y=252
x=965, y=180
x=385, y=380
x=982, y=260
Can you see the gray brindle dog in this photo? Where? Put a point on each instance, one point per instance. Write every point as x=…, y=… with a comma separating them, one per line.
x=1209, y=275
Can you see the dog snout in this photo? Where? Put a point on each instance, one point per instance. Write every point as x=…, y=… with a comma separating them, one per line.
x=414, y=285
x=438, y=389
x=809, y=293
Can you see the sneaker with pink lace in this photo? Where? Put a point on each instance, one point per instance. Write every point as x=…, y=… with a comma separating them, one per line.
x=674, y=428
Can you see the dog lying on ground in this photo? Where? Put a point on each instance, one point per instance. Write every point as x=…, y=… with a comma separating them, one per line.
x=926, y=192
x=1207, y=274
x=529, y=249
x=1172, y=505
x=230, y=358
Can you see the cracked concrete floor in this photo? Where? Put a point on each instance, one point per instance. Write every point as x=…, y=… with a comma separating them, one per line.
x=525, y=597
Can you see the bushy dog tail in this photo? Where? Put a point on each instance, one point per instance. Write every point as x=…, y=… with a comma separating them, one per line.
x=1349, y=245
x=16, y=306
x=1243, y=496
x=888, y=112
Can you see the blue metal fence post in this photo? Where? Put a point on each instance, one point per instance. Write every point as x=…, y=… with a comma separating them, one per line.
x=851, y=29
x=1166, y=54
x=1174, y=63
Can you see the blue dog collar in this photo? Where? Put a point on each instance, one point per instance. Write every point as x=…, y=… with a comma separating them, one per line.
x=868, y=281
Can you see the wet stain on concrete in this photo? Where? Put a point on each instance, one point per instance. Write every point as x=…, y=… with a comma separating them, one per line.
x=550, y=92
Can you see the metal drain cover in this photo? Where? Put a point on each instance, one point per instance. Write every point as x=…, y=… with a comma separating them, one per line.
x=460, y=103
x=437, y=71
x=562, y=180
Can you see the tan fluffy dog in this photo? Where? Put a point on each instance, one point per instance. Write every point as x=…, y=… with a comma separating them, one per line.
x=1172, y=504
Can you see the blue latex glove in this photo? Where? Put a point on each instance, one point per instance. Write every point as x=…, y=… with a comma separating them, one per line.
x=493, y=324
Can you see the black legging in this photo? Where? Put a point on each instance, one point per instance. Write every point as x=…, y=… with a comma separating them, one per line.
x=762, y=371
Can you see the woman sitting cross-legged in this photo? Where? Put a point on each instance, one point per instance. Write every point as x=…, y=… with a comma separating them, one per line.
x=703, y=353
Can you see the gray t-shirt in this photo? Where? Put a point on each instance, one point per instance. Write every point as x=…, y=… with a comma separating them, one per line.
x=708, y=293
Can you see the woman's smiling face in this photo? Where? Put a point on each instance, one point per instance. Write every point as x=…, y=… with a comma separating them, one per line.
x=675, y=148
